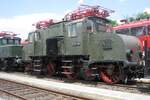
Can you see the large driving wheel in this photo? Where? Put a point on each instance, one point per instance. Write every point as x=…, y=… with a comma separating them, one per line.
x=110, y=75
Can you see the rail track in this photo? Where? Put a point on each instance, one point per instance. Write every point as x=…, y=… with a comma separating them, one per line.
x=15, y=91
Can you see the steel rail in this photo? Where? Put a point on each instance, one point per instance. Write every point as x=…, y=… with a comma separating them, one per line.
x=74, y=97
x=11, y=94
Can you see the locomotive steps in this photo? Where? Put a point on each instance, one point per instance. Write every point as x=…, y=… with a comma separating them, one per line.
x=76, y=90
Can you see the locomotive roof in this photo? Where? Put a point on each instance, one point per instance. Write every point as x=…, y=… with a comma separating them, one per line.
x=87, y=18
x=133, y=24
x=77, y=20
x=10, y=38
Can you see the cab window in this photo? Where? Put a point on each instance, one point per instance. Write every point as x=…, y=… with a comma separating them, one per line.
x=10, y=41
x=137, y=31
x=99, y=24
x=16, y=41
x=89, y=26
x=123, y=31
x=37, y=36
x=4, y=41
x=31, y=37
x=79, y=27
x=74, y=29
x=71, y=30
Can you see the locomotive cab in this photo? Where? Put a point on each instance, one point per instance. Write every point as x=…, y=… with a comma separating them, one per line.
x=89, y=36
x=83, y=47
x=11, y=53
x=9, y=47
x=79, y=32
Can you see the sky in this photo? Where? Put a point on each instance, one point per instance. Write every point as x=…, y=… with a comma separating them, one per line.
x=19, y=15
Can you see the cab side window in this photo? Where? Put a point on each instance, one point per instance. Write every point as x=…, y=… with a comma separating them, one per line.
x=89, y=26
x=79, y=27
x=37, y=36
x=16, y=41
x=4, y=41
x=31, y=37
x=123, y=31
x=10, y=41
x=137, y=31
x=74, y=29
x=100, y=25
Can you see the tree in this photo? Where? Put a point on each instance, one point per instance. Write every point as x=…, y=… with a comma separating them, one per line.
x=139, y=16
x=131, y=19
x=113, y=22
x=144, y=15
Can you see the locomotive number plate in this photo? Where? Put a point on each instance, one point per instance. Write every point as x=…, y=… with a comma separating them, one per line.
x=107, y=44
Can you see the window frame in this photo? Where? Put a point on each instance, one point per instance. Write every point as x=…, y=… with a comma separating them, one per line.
x=16, y=42
x=99, y=24
x=37, y=36
x=74, y=29
x=127, y=33
x=10, y=41
x=141, y=33
x=89, y=26
x=5, y=42
x=31, y=37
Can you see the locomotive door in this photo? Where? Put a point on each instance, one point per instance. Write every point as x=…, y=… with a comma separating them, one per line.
x=51, y=46
x=74, y=39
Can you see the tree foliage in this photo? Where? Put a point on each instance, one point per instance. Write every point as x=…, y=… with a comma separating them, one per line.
x=139, y=16
x=113, y=22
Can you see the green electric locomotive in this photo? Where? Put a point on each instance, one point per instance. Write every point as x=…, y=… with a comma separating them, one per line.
x=82, y=47
x=10, y=51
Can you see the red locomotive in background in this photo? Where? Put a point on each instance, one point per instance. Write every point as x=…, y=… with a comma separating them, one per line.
x=140, y=29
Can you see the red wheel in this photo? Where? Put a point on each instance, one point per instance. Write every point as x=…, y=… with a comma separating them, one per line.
x=51, y=69
x=110, y=78
x=69, y=73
